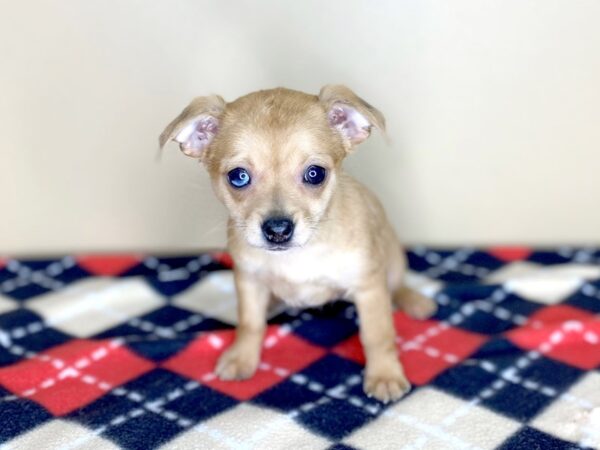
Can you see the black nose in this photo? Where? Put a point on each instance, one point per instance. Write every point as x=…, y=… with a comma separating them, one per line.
x=278, y=230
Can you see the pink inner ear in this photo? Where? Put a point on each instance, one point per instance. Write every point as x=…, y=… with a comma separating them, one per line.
x=337, y=116
x=204, y=132
x=209, y=125
x=349, y=122
x=196, y=136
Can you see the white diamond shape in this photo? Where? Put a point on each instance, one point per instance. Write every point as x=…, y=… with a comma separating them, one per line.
x=6, y=304
x=432, y=419
x=61, y=434
x=548, y=285
x=575, y=416
x=96, y=304
x=213, y=296
x=250, y=427
x=425, y=285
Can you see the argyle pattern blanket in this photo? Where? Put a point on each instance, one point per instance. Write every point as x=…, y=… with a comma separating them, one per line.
x=118, y=351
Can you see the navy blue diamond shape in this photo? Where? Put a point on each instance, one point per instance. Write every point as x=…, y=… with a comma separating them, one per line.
x=465, y=381
x=159, y=350
x=150, y=429
x=34, y=265
x=337, y=418
x=26, y=292
x=469, y=379
x=329, y=371
x=548, y=257
x=518, y=402
x=144, y=432
x=44, y=340
x=340, y=447
x=5, y=274
x=332, y=370
x=334, y=419
x=18, y=416
x=18, y=318
x=197, y=404
x=581, y=299
x=480, y=321
x=532, y=439
x=577, y=255
x=479, y=260
x=169, y=315
x=164, y=317
x=33, y=289
x=35, y=342
x=171, y=288
x=328, y=325
x=468, y=292
x=418, y=262
x=484, y=260
x=167, y=341
x=286, y=396
x=175, y=263
x=553, y=373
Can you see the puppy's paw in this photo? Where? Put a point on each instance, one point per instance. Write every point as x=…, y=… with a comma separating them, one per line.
x=422, y=309
x=386, y=387
x=236, y=364
x=415, y=304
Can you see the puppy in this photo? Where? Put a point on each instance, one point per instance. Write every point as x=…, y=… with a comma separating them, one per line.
x=300, y=228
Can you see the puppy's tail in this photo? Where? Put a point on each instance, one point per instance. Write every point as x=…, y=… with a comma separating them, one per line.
x=414, y=303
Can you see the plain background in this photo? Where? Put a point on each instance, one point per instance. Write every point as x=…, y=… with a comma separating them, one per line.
x=493, y=110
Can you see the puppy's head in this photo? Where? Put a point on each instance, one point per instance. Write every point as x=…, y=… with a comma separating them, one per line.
x=274, y=156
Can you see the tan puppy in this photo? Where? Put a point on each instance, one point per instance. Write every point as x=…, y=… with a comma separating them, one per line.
x=301, y=229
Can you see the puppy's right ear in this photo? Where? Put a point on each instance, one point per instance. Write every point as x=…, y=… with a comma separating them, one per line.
x=196, y=126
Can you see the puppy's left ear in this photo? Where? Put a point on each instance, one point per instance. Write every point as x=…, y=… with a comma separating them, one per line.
x=349, y=114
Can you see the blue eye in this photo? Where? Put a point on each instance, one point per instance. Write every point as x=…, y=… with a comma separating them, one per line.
x=314, y=175
x=238, y=178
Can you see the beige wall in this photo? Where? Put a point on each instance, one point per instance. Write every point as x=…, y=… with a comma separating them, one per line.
x=493, y=110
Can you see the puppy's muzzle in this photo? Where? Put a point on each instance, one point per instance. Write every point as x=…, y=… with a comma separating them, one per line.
x=278, y=230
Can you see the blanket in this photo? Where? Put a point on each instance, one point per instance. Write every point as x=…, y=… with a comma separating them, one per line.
x=118, y=351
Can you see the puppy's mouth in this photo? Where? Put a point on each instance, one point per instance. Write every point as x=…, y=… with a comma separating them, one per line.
x=278, y=247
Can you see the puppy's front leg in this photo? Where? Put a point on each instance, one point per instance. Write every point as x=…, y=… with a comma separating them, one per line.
x=241, y=359
x=384, y=376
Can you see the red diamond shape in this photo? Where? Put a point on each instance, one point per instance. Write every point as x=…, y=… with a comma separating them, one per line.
x=509, y=254
x=223, y=258
x=107, y=265
x=427, y=348
x=564, y=333
x=72, y=375
x=281, y=351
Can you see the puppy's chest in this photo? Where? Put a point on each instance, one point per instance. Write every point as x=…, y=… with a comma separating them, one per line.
x=308, y=277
